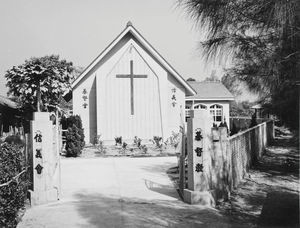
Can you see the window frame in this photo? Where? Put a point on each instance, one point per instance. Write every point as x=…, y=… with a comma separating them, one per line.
x=216, y=110
x=201, y=106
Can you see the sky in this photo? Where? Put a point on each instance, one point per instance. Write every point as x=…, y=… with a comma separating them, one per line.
x=78, y=30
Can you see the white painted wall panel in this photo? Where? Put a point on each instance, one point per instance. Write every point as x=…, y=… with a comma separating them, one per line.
x=88, y=114
x=174, y=119
x=224, y=104
x=146, y=121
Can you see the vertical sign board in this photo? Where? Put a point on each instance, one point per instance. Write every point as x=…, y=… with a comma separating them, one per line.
x=43, y=190
x=198, y=142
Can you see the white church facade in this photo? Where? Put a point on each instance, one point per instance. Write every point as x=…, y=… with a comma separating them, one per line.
x=130, y=90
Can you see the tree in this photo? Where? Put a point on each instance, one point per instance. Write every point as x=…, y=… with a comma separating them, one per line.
x=40, y=82
x=191, y=80
x=263, y=39
x=242, y=108
x=231, y=84
x=212, y=78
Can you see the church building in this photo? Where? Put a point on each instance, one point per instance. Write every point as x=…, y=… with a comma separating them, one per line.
x=130, y=90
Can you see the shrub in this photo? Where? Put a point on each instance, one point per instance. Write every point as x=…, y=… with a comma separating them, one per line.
x=174, y=139
x=144, y=149
x=234, y=129
x=253, y=121
x=13, y=188
x=74, y=136
x=137, y=141
x=96, y=139
x=99, y=144
x=118, y=140
x=157, y=140
x=14, y=139
x=124, y=145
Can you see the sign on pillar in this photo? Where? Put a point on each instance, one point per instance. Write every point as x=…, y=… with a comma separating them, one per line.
x=198, y=142
x=43, y=190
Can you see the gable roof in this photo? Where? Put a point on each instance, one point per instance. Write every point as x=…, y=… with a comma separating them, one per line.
x=130, y=29
x=209, y=91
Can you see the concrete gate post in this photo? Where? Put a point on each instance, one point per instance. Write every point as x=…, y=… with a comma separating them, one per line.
x=199, y=160
x=43, y=160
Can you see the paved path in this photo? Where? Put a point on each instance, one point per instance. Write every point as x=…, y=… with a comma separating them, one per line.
x=120, y=192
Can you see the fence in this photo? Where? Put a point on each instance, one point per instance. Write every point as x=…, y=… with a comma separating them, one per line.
x=182, y=164
x=247, y=147
x=242, y=123
x=238, y=153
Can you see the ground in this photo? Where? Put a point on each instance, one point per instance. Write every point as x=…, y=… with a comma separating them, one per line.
x=269, y=196
x=120, y=192
x=140, y=192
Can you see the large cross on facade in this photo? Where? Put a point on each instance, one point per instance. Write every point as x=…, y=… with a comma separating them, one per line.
x=131, y=76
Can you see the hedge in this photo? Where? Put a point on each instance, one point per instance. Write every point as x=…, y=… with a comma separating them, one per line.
x=13, y=183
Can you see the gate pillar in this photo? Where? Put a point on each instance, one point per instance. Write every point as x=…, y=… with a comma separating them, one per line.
x=199, y=160
x=44, y=160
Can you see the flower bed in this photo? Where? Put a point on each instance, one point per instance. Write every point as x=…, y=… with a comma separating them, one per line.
x=129, y=151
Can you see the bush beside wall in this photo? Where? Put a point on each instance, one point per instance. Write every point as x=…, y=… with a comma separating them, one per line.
x=74, y=135
x=13, y=193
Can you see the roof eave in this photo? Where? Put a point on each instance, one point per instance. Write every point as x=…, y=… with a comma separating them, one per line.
x=210, y=99
x=129, y=28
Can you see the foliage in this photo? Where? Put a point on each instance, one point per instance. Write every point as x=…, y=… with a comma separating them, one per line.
x=144, y=148
x=118, y=140
x=212, y=78
x=263, y=39
x=14, y=139
x=99, y=144
x=124, y=145
x=13, y=194
x=157, y=140
x=231, y=84
x=96, y=139
x=241, y=108
x=253, y=121
x=224, y=124
x=234, y=129
x=174, y=139
x=74, y=136
x=191, y=80
x=46, y=78
x=137, y=141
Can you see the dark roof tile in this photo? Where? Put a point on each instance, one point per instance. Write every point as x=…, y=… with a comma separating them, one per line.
x=210, y=91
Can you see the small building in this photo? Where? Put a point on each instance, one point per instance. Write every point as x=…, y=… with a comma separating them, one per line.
x=262, y=112
x=130, y=90
x=9, y=115
x=212, y=96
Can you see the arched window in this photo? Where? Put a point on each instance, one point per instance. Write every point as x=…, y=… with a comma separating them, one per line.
x=217, y=112
x=200, y=106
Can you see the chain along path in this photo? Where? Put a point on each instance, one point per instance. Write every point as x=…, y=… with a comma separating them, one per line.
x=121, y=192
